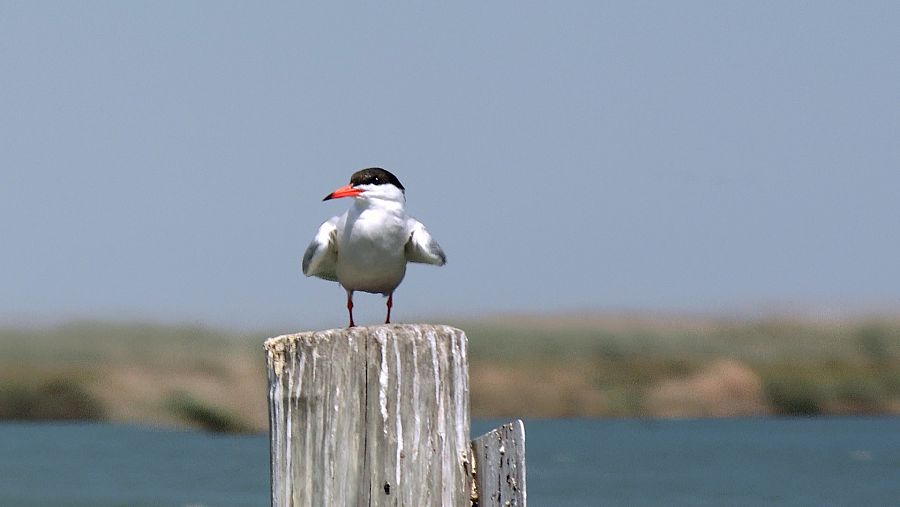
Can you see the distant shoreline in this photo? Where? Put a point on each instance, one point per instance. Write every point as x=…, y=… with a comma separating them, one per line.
x=595, y=365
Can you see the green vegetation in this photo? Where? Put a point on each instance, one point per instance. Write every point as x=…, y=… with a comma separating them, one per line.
x=129, y=372
x=205, y=415
x=57, y=400
x=805, y=368
x=587, y=365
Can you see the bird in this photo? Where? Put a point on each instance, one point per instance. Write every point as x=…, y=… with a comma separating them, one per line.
x=367, y=248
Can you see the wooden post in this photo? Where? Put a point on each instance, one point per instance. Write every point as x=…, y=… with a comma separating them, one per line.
x=370, y=416
x=499, y=463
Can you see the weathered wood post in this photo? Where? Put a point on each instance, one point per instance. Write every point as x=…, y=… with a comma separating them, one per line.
x=370, y=416
x=375, y=416
x=499, y=458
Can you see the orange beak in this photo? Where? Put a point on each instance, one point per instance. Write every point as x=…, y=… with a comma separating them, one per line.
x=345, y=191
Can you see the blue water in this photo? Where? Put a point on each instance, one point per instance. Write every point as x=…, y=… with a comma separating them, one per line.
x=791, y=462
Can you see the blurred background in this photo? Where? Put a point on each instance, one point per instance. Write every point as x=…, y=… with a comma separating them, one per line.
x=669, y=193
x=650, y=209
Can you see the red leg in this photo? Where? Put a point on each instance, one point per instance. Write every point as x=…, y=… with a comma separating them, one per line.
x=390, y=303
x=350, y=307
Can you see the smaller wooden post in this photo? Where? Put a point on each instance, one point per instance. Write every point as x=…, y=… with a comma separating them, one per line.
x=499, y=458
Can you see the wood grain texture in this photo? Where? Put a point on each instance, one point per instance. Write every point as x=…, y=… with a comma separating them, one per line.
x=370, y=416
x=499, y=458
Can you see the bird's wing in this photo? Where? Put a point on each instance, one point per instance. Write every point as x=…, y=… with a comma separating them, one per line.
x=320, y=258
x=421, y=247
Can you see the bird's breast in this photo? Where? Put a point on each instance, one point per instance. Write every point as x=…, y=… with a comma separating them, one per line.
x=371, y=254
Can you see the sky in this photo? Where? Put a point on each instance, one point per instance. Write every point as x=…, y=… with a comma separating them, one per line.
x=166, y=161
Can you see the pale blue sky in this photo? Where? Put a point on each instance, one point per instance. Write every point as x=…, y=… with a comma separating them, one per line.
x=167, y=161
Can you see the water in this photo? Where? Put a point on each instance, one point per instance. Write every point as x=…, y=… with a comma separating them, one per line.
x=790, y=462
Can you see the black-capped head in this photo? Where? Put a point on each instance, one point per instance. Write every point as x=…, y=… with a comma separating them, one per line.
x=371, y=183
x=375, y=176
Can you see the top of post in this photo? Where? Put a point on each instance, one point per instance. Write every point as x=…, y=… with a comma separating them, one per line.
x=277, y=346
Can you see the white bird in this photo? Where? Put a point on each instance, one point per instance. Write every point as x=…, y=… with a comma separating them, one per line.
x=367, y=248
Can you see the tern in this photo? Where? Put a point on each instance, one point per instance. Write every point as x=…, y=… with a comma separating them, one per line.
x=366, y=249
